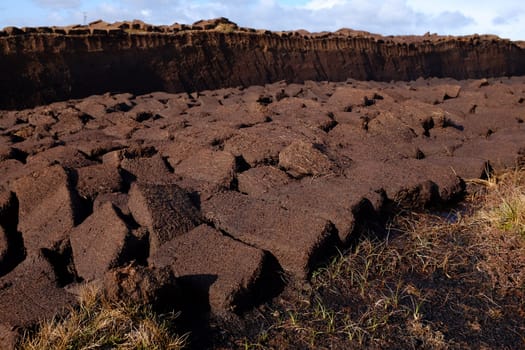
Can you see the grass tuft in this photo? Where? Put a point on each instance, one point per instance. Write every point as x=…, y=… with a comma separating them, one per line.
x=226, y=27
x=504, y=206
x=97, y=323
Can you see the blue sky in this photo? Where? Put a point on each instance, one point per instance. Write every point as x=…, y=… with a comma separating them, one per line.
x=505, y=18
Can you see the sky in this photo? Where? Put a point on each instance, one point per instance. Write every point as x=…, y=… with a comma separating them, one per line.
x=505, y=18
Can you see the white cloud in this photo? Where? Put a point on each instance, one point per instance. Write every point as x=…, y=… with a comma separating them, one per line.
x=146, y=13
x=322, y=4
x=503, y=17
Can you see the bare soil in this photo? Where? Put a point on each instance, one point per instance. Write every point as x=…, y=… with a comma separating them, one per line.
x=233, y=198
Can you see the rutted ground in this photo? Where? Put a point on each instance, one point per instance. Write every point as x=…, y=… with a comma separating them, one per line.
x=214, y=195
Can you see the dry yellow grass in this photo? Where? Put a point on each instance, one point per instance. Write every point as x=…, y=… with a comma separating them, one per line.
x=100, y=324
x=504, y=205
x=226, y=27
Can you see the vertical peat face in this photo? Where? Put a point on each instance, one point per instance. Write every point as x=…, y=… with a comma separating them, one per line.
x=40, y=66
